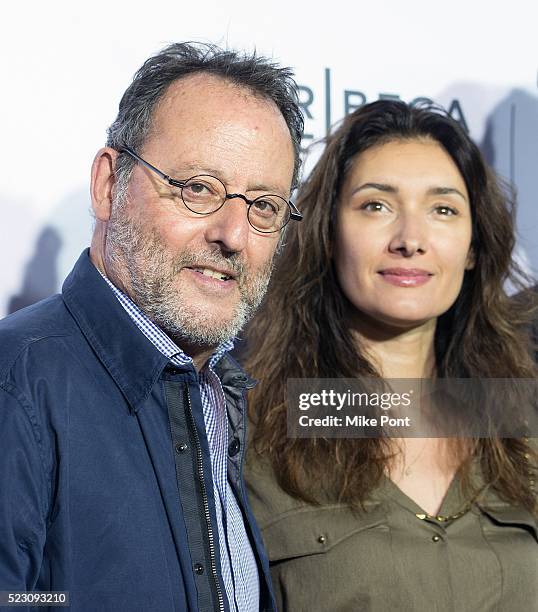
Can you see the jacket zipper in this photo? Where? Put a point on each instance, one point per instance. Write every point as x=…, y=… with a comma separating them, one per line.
x=261, y=573
x=210, y=534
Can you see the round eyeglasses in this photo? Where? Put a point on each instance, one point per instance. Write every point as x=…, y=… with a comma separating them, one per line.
x=204, y=194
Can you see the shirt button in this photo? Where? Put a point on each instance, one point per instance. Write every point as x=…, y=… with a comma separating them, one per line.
x=436, y=538
x=234, y=447
x=240, y=378
x=322, y=539
x=198, y=568
x=181, y=447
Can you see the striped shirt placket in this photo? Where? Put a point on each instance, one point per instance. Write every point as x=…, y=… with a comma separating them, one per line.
x=238, y=563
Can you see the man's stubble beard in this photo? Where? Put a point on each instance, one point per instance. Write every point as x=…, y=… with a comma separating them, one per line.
x=149, y=273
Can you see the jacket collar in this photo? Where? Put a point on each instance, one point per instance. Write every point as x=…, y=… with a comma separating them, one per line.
x=231, y=374
x=130, y=358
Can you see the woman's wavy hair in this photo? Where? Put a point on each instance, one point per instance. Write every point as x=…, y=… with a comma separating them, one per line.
x=301, y=330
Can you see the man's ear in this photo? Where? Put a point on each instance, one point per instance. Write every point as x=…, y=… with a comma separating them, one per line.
x=102, y=182
x=471, y=259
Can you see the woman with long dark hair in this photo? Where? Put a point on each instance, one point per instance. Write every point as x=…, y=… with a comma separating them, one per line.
x=397, y=271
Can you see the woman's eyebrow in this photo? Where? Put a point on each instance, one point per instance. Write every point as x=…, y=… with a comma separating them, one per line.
x=446, y=191
x=378, y=186
x=391, y=189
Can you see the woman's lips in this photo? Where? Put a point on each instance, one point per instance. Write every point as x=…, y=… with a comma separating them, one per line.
x=405, y=277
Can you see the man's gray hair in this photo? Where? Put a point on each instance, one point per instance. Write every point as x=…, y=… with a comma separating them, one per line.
x=260, y=75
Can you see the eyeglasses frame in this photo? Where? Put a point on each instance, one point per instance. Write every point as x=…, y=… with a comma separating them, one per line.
x=295, y=214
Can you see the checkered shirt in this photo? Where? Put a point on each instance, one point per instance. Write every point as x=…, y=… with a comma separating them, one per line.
x=239, y=568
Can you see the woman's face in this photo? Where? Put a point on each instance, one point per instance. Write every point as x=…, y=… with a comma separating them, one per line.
x=403, y=232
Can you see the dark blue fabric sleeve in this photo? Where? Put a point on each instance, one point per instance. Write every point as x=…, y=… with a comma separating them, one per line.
x=23, y=494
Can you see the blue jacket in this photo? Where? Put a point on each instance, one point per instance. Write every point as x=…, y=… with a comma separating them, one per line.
x=104, y=462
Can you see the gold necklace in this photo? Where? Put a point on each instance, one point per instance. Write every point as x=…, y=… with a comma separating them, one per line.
x=439, y=518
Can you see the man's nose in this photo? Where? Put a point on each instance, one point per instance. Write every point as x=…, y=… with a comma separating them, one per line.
x=410, y=236
x=229, y=227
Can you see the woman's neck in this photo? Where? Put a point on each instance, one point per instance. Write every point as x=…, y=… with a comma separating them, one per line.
x=397, y=352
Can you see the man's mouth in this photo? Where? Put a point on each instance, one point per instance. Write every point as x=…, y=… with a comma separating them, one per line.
x=219, y=275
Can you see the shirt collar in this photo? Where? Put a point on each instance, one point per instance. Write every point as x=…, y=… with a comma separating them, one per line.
x=134, y=363
x=160, y=340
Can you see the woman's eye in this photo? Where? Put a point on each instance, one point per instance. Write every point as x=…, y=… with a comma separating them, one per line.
x=446, y=211
x=374, y=207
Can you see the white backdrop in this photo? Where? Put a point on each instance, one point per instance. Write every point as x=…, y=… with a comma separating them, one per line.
x=66, y=64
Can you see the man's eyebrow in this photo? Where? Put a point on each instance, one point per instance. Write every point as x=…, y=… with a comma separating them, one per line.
x=267, y=189
x=187, y=171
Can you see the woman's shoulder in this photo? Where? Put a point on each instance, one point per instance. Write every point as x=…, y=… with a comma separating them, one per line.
x=293, y=528
x=271, y=502
x=504, y=512
x=267, y=498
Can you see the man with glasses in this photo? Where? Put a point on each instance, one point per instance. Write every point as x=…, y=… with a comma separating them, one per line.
x=122, y=415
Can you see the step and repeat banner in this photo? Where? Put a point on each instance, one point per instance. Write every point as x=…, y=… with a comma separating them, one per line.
x=64, y=69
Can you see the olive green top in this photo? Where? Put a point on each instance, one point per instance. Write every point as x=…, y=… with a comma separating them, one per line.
x=393, y=557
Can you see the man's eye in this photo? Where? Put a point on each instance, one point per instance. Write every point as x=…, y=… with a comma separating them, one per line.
x=200, y=191
x=196, y=188
x=265, y=208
